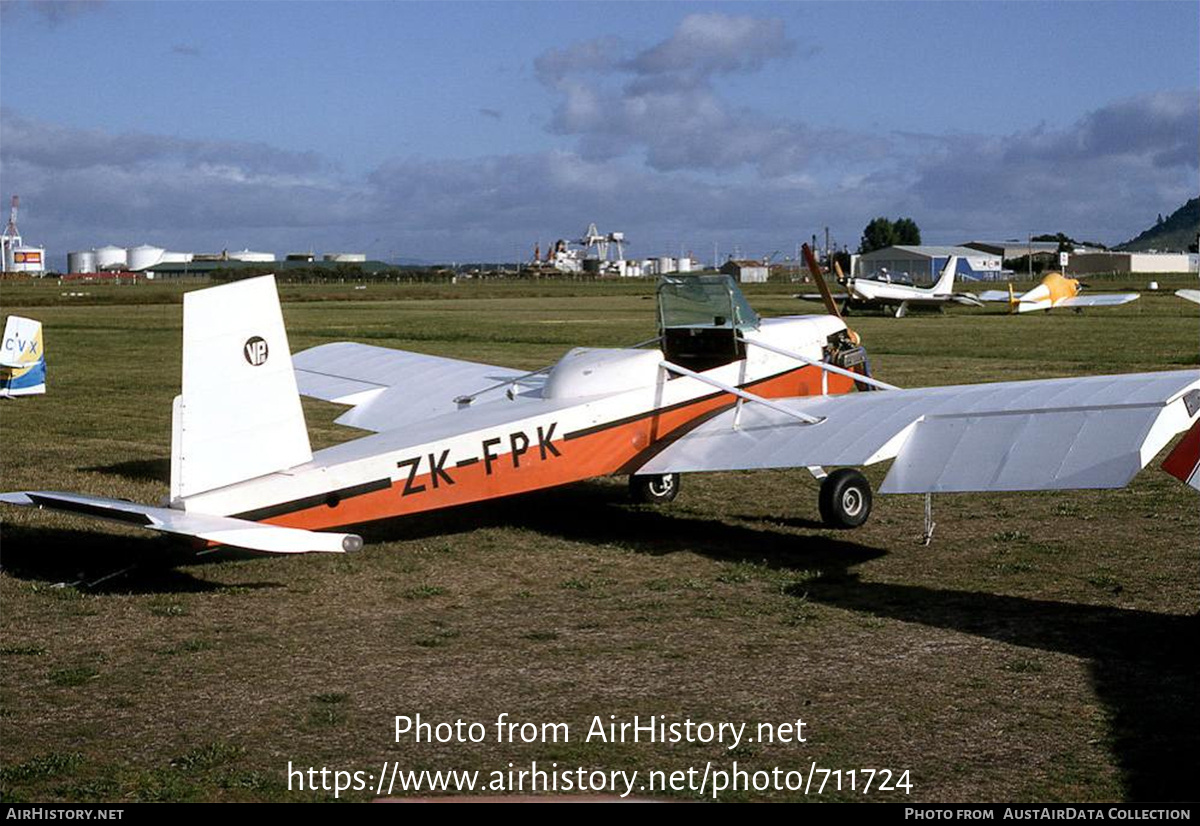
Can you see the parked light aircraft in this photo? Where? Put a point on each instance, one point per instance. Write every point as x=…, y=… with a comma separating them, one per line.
x=1056, y=290
x=22, y=358
x=882, y=290
x=719, y=389
x=1189, y=295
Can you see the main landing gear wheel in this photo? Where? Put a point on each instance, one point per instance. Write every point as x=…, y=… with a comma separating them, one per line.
x=654, y=490
x=845, y=499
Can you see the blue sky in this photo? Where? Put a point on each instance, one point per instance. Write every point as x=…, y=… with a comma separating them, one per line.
x=452, y=131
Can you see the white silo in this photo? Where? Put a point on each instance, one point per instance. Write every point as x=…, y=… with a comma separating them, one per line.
x=251, y=255
x=110, y=258
x=81, y=261
x=143, y=257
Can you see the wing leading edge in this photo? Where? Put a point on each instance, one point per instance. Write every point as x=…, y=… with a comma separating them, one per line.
x=1092, y=432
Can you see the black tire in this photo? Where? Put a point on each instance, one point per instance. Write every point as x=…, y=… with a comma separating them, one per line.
x=654, y=490
x=845, y=499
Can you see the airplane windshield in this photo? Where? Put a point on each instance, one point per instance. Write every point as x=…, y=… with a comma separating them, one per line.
x=712, y=301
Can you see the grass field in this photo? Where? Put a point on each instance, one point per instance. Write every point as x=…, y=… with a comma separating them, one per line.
x=1040, y=649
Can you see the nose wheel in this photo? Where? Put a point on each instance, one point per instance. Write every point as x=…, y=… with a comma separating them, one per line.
x=654, y=490
x=845, y=499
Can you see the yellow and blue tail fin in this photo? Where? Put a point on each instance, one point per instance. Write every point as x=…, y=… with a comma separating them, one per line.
x=22, y=358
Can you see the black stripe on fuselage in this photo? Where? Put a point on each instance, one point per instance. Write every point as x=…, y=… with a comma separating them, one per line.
x=331, y=499
x=658, y=411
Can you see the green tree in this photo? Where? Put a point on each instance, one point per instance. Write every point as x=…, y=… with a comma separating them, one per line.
x=882, y=233
x=878, y=234
x=907, y=232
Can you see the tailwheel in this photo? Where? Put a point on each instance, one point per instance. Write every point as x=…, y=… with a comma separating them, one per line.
x=654, y=490
x=845, y=499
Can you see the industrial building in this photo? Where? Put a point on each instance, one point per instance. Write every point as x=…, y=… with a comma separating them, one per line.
x=746, y=271
x=152, y=260
x=1008, y=250
x=599, y=253
x=923, y=264
x=18, y=256
x=1132, y=262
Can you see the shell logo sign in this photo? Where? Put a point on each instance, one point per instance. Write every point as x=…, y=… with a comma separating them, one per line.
x=27, y=257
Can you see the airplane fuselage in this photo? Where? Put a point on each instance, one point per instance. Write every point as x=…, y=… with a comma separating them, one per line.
x=511, y=443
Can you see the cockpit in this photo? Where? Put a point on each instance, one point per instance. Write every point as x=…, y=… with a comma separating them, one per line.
x=699, y=318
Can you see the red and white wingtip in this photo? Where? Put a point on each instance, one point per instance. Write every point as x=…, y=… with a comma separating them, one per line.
x=1184, y=461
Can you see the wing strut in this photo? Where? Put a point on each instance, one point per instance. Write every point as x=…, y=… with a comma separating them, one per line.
x=741, y=394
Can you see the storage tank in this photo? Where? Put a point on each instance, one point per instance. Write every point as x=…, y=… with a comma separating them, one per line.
x=177, y=258
x=29, y=259
x=251, y=255
x=666, y=264
x=685, y=264
x=143, y=257
x=82, y=261
x=345, y=257
x=110, y=258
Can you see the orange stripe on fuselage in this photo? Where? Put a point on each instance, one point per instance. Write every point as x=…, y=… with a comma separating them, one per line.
x=597, y=452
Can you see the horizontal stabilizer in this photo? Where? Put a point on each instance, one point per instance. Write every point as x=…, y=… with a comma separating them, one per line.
x=222, y=530
x=391, y=389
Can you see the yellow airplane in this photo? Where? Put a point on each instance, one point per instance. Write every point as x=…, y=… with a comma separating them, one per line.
x=1056, y=290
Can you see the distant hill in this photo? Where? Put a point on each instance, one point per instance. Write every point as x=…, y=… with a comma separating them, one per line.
x=1175, y=234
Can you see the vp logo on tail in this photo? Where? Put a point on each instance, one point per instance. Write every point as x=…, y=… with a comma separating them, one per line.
x=255, y=351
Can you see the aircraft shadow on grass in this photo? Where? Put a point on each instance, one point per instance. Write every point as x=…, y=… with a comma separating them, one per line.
x=108, y=563
x=600, y=513
x=1142, y=664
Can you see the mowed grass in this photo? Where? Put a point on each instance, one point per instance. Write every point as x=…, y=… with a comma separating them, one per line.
x=1041, y=648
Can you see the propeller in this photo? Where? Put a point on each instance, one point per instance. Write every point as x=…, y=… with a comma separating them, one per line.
x=826, y=296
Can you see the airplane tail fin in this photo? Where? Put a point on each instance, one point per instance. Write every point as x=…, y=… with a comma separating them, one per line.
x=945, y=282
x=239, y=414
x=22, y=358
x=1013, y=303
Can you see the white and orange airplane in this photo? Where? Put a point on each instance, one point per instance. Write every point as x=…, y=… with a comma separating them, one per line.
x=719, y=389
x=1055, y=290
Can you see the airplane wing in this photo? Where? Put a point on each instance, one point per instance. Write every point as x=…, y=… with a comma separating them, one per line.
x=1109, y=300
x=1190, y=295
x=222, y=530
x=968, y=299
x=1091, y=432
x=817, y=296
x=391, y=388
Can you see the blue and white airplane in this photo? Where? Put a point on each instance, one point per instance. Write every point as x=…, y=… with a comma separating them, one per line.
x=22, y=358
